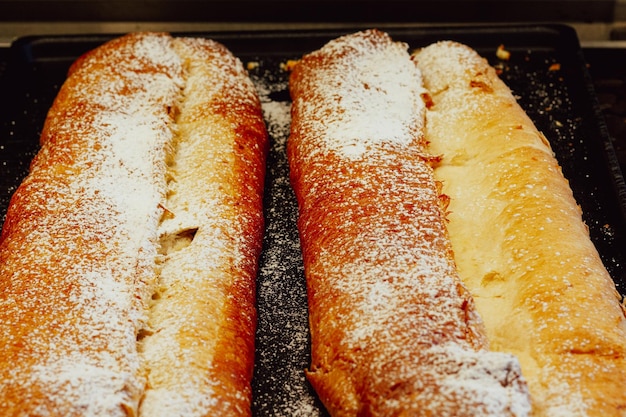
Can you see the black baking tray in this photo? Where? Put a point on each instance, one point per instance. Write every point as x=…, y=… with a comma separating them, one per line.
x=546, y=72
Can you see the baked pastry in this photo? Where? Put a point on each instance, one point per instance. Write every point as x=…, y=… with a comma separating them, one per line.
x=393, y=329
x=519, y=241
x=199, y=347
x=128, y=255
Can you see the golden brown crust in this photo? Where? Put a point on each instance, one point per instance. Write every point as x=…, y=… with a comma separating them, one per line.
x=519, y=240
x=81, y=237
x=205, y=309
x=393, y=330
x=71, y=302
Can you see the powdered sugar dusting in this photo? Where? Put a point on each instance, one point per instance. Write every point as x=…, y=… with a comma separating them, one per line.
x=478, y=376
x=202, y=315
x=282, y=353
x=383, y=110
x=499, y=170
x=95, y=187
x=383, y=288
x=97, y=194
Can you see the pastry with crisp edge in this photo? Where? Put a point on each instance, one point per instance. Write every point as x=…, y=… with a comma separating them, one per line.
x=519, y=240
x=129, y=253
x=393, y=329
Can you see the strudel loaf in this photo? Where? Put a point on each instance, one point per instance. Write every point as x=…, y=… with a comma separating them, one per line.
x=129, y=253
x=394, y=331
x=519, y=241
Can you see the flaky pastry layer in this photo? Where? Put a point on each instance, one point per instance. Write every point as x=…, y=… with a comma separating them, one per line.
x=140, y=219
x=519, y=240
x=393, y=329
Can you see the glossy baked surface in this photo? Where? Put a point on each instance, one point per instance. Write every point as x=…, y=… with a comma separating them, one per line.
x=557, y=101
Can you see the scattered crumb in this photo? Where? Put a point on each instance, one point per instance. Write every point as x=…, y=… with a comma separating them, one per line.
x=502, y=53
x=288, y=65
x=555, y=67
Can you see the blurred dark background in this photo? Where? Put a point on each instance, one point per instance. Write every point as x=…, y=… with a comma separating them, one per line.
x=309, y=11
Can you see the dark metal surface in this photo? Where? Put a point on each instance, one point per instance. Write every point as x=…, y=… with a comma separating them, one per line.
x=608, y=74
x=546, y=71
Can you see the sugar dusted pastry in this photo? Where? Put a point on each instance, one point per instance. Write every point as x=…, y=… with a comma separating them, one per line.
x=519, y=241
x=394, y=331
x=128, y=255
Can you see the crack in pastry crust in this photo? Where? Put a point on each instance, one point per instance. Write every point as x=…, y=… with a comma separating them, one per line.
x=393, y=329
x=79, y=247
